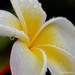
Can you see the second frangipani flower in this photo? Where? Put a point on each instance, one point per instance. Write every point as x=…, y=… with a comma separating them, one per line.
x=40, y=44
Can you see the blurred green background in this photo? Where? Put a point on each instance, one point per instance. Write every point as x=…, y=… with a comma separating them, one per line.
x=5, y=42
x=53, y=8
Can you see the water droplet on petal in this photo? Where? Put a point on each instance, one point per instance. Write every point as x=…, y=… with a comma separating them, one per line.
x=12, y=38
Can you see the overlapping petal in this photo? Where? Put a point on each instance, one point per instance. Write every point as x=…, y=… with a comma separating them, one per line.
x=26, y=62
x=10, y=26
x=59, y=32
x=6, y=31
x=60, y=61
x=55, y=38
x=8, y=19
x=30, y=14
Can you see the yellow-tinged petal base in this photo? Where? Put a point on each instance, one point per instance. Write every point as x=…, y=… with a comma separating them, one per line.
x=59, y=60
x=26, y=62
x=31, y=15
x=48, y=34
x=8, y=19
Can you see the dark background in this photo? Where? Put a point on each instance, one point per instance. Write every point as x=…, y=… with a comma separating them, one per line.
x=65, y=8
x=53, y=8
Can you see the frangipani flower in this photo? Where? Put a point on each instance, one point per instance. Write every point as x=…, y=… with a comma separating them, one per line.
x=40, y=44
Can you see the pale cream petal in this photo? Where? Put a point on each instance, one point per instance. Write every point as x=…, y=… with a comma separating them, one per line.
x=30, y=14
x=48, y=34
x=43, y=57
x=9, y=20
x=60, y=62
x=6, y=31
x=15, y=4
x=57, y=31
x=24, y=61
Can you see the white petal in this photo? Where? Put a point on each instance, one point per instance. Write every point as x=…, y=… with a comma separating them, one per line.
x=66, y=32
x=12, y=32
x=16, y=6
x=10, y=26
x=37, y=51
x=60, y=62
x=9, y=20
x=30, y=14
x=26, y=62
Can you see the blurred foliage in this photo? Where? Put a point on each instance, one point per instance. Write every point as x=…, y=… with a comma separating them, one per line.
x=5, y=42
x=5, y=49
